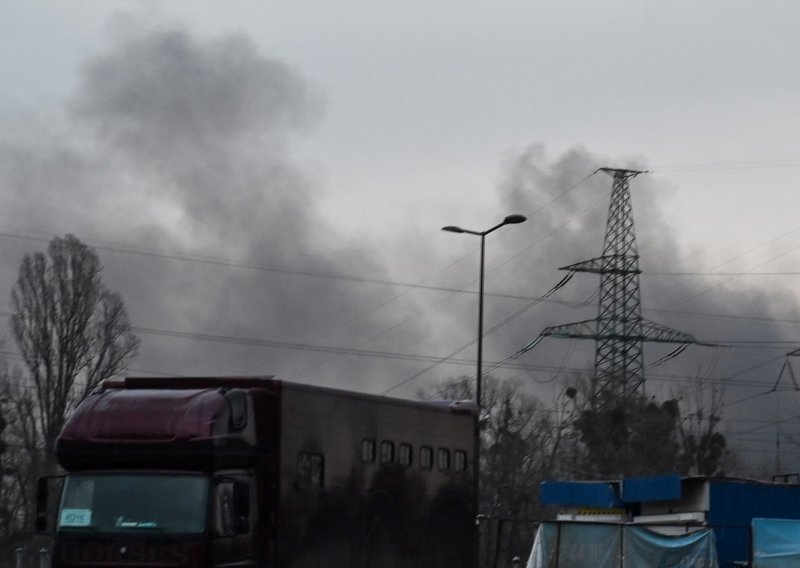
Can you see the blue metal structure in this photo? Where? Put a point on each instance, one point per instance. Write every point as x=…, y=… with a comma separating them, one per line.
x=727, y=505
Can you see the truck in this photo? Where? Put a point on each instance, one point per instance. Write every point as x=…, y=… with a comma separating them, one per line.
x=211, y=472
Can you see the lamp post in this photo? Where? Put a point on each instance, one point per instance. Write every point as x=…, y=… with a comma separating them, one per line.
x=476, y=468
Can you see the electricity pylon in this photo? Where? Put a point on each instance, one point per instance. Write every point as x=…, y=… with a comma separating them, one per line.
x=619, y=330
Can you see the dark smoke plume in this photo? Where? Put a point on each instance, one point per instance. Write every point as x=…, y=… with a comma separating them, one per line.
x=180, y=144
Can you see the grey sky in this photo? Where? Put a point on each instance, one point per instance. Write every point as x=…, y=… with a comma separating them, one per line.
x=339, y=137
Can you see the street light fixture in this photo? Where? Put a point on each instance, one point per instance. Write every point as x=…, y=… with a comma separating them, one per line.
x=509, y=220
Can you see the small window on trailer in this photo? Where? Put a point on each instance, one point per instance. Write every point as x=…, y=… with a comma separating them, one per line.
x=443, y=459
x=405, y=455
x=387, y=451
x=426, y=457
x=368, y=450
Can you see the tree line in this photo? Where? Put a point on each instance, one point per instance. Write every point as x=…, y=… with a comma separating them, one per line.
x=524, y=441
x=578, y=437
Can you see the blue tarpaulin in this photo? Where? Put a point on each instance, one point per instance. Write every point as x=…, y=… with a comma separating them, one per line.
x=598, y=545
x=576, y=545
x=644, y=547
x=776, y=543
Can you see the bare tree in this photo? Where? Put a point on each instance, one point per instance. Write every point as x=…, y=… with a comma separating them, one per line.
x=18, y=465
x=617, y=432
x=71, y=333
x=519, y=442
x=705, y=450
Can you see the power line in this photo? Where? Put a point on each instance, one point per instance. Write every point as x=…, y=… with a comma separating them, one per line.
x=706, y=315
x=507, y=320
x=737, y=274
x=216, y=261
x=232, y=263
x=744, y=165
x=261, y=342
x=661, y=377
x=741, y=255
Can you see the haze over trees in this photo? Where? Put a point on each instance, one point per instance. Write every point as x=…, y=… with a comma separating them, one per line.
x=71, y=333
x=525, y=441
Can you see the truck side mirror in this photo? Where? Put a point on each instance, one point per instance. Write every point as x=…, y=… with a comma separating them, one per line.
x=237, y=402
x=48, y=492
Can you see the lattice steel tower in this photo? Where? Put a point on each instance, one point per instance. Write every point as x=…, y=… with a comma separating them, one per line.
x=619, y=329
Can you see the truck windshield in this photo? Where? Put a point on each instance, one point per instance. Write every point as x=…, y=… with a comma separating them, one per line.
x=134, y=502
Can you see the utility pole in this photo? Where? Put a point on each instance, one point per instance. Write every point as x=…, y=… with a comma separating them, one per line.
x=619, y=330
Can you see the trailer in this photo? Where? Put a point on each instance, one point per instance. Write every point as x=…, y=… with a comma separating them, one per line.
x=253, y=471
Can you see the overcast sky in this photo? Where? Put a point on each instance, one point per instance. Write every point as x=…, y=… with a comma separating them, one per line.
x=279, y=163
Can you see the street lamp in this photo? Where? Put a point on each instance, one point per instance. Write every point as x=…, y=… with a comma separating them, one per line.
x=509, y=220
